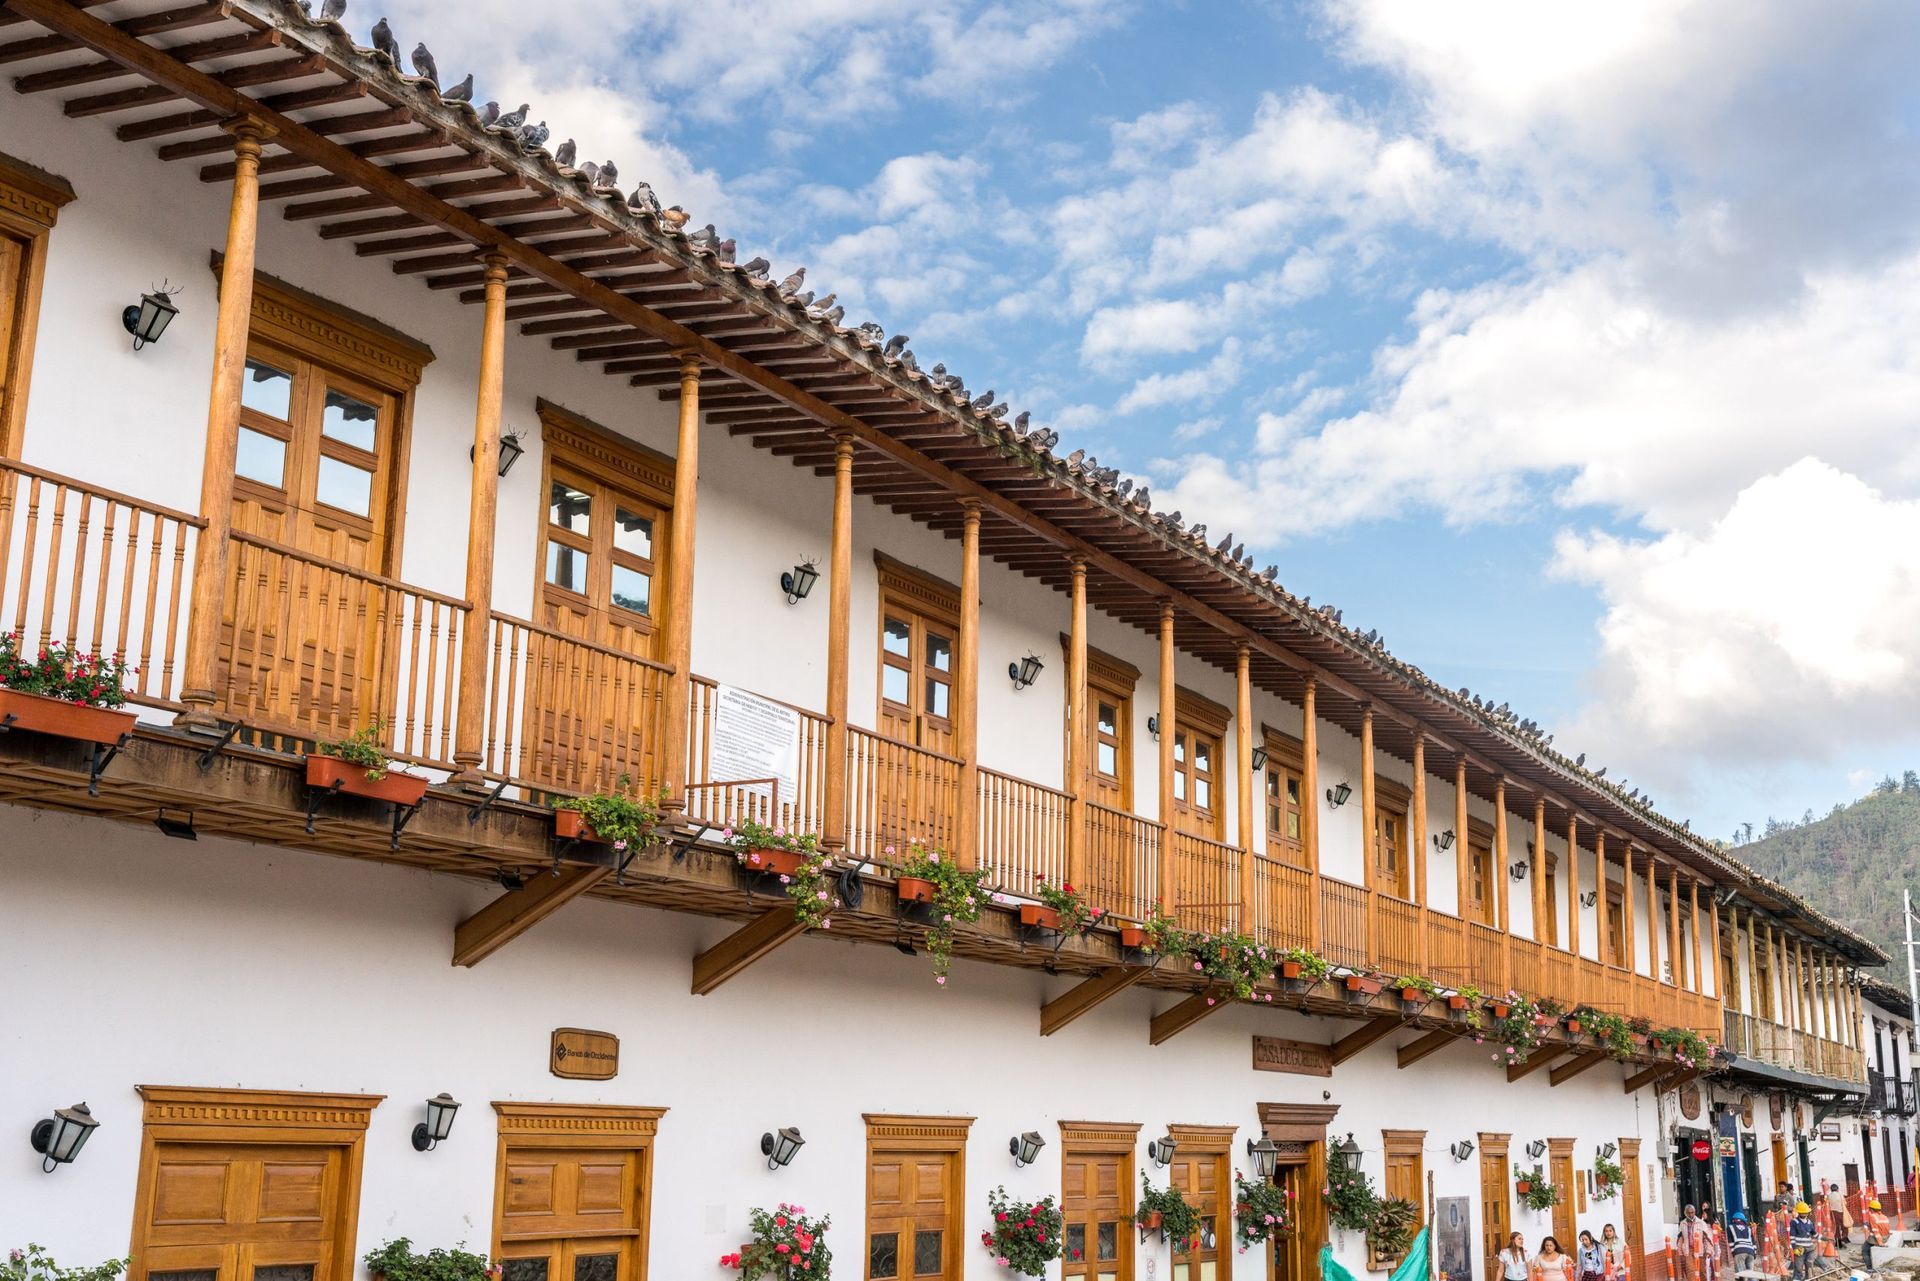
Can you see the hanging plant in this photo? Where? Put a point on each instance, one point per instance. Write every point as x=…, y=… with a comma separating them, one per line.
x=1534, y=1190
x=1688, y=1048
x=1520, y=1032
x=1468, y=999
x=64, y=672
x=1168, y=1210
x=1299, y=963
x=807, y=878
x=1416, y=989
x=362, y=748
x=1233, y=961
x=1391, y=1228
x=1350, y=1197
x=1026, y=1236
x=1607, y=1178
x=396, y=1261
x=1164, y=935
x=1613, y=1031
x=786, y=1246
x=623, y=821
x=1077, y=916
x=959, y=897
x=1262, y=1210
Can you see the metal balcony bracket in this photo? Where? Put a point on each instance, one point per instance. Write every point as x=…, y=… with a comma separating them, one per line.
x=315, y=795
x=853, y=890
x=6, y=722
x=99, y=758
x=1041, y=936
x=474, y=814
x=684, y=847
x=403, y=815
x=229, y=731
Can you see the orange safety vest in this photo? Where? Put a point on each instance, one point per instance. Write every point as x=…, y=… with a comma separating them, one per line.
x=1878, y=1229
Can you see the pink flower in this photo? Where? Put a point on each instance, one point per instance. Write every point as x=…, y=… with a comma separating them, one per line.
x=941, y=979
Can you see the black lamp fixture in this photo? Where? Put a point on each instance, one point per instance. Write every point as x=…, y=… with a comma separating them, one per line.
x=1444, y=841
x=780, y=1146
x=1160, y=1151
x=1461, y=1150
x=510, y=451
x=172, y=824
x=1259, y=759
x=1153, y=727
x=1025, y=1147
x=1518, y=871
x=438, y=1125
x=1338, y=794
x=1607, y=1150
x=799, y=580
x=60, y=1137
x=1589, y=898
x=1349, y=1152
x=1537, y=1149
x=147, y=319
x=1025, y=672
x=1264, y=1153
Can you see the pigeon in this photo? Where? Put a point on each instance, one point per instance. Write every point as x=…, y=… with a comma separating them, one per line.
x=870, y=333
x=675, y=217
x=824, y=303
x=704, y=237
x=609, y=175
x=332, y=10
x=534, y=136
x=424, y=65
x=894, y=345
x=643, y=198
x=1199, y=532
x=589, y=171
x=802, y=300
x=462, y=92
x=490, y=115
x=1225, y=543
x=835, y=316
x=998, y=411
x=909, y=362
x=1075, y=458
x=726, y=249
x=1580, y=760
x=1174, y=518
x=1240, y=552
x=1601, y=772
x=939, y=374
x=512, y=119
x=1021, y=420
x=1047, y=437
x=383, y=42
x=757, y=268
x=984, y=399
x=563, y=155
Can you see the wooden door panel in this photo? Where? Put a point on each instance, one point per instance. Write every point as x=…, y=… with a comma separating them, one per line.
x=244, y=1211
x=190, y=1192
x=1495, y=1216
x=1098, y=1244
x=909, y=1209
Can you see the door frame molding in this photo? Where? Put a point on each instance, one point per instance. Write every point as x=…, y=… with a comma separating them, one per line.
x=577, y=1125
x=30, y=204
x=1106, y=1138
x=945, y=1135
x=191, y=1114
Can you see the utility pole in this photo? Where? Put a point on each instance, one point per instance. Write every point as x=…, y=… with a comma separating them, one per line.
x=1906, y=914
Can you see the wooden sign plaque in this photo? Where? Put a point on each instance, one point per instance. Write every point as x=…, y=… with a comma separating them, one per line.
x=1303, y=1058
x=582, y=1055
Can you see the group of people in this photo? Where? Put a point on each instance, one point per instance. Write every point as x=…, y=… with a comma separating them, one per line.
x=1787, y=1240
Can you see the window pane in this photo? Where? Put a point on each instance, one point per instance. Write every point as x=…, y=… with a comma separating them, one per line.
x=266, y=389
x=938, y=696
x=1076, y=1241
x=1203, y=793
x=286, y=1272
x=344, y=486
x=523, y=1270
x=1273, y=818
x=632, y=589
x=1293, y=791
x=1273, y=784
x=261, y=457
x=349, y=420
x=1109, y=760
x=566, y=567
x=926, y=1253
x=883, y=1255
x=1109, y=719
x=1179, y=748
x=1203, y=756
x=893, y=685
x=939, y=652
x=1109, y=1241
x=1293, y=826
x=568, y=508
x=595, y=1267
x=1179, y=786
x=897, y=638
x=633, y=533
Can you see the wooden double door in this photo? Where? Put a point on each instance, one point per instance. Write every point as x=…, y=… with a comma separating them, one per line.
x=243, y=1212
x=1096, y=1207
x=572, y=1214
x=911, y=1197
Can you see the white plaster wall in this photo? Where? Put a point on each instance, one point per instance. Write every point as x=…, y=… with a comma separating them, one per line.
x=134, y=959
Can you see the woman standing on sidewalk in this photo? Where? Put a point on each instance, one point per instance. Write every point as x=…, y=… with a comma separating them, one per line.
x=1592, y=1266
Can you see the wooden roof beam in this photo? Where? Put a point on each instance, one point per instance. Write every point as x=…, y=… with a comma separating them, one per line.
x=752, y=942
x=1538, y=1059
x=1413, y=1051
x=1354, y=1042
x=1567, y=1071
x=1088, y=995
x=517, y=911
x=1172, y=1022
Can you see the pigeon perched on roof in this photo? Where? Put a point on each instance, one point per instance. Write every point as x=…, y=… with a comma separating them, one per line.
x=332, y=10
x=726, y=249
x=512, y=119
x=835, y=316
x=643, y=198
x=909, y=362
x=383, y=42
x=1045, y=438
x=674, y=217
x=704, y=238
x=533, y=137
x=609, y=175
x=490, y=115
x=1074, y=459
x=802, y=300
x=1173, y=518
x=1240, y=552
x=1580, y=760
x=1225, y=543
x=870, y=333
x=757, y=268
x=984, y=399
x=1601, y=772
x=791, y=285
x=894, y=345
x=563, y=156
x=424, y=65
x=589, y=171
x=998, y=411
x=826, y=302
x=462, y=92
x=1021, y=420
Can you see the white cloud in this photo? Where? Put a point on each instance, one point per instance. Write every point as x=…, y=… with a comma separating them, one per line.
x=1202, y=382
x=1787, y=630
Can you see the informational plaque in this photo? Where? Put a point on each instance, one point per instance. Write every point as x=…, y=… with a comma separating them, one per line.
x=581, y=1055
x=754, y=738
x=1304, y=1058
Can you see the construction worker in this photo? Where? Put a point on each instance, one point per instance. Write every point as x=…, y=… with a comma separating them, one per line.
x=1879, y=1231
x=1803, y=1236
x=1740, y=1241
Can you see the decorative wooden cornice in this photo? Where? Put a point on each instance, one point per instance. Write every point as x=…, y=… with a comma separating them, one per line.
x=1100, y=1136
x=579, y=1119
x=1104, y=668
x=174, y=1106
x=1203, y=1138
x=1201, y=712
x=917, y=587
x=1403, y=1142
x=32, y=194
x=919, y=1131
x=324, y=330
x=604, y=453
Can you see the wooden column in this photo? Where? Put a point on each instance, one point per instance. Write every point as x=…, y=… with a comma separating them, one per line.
x=1501, y=879
x=1368, y=831
x=1693, y=921
x=482, y=503
x=1653, y=918
x=1462, y=842
x=1541, y=907
x=1802, y=955
x=833, y=822
x=1754, y=1005
x=1573, y=884
x=1629, y=933
x=1166, y=721
x=1714, y=953
x=966, y=691
x=1310, y=805
x=235, y=311
x=686, y=489
x=1600, y=924
x=1673, y=922
x=1077, y=727
x=1243, y=794
x=1417, y=836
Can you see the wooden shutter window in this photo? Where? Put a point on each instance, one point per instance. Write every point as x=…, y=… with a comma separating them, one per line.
x=30, y=202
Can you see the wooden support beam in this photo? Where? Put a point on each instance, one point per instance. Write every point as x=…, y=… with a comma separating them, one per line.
x=1088, y=995
x=1413, y=1051
x=743, y=947
x=1354, y=1042
x=1535, y=1061
x=1171, y=1023
x=517, y=911
x=1567, y=1071
x=1647, y=1076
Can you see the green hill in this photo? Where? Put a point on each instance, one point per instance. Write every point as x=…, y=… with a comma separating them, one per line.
x=1852, y=864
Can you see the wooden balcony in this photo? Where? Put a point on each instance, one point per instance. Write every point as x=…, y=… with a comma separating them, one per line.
x=1776, y=1045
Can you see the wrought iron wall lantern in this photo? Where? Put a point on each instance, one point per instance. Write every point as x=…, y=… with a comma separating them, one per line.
x=438, y=1125
x=1444, y=841
x=1589, y=898
x=1025, y=1148
x=147, y=319
x=1348, y=1152
x=799, y=580
x=1264, y=1153
x=1160, y=1151
x=1337, y=795
x=1153, y=727
x=1259, y=759
x=1537, y=1149
x=1461, y=1150
x=1518, y=871
x=60, y=1137
x=1025, y=672
x=510, y=451
x=780, y=1147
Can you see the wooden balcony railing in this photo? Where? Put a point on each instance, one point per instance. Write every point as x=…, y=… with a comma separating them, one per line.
x=1123, y=862
x=1023, y=831
x=1396, y=946
x=723, y=801
x=1768, y=1042
x=1206, y=884
x=87, y=567
x=1448, y=961
x=1281, y=903
x=1343, y=923
x=316, y=649
x=897, y=795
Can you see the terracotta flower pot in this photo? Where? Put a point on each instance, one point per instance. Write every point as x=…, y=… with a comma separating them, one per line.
x=1133, y=936
x=1152, y=1220
x=1500, y=1009
x=55, y=716
x=1522, y=1186
x=1573, y=1027
x=572, y=825
x=1289, y=969
x=1039, y=915
x=1412, y=995
x=1361, y=983
x=776, y=862
x=914, y=889
x=332, y=773
x=1456, y=1002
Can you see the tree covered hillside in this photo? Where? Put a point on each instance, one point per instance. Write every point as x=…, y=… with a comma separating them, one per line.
x=1852, y=864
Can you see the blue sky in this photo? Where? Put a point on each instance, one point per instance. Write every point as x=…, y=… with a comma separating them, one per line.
x=1575, y=347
